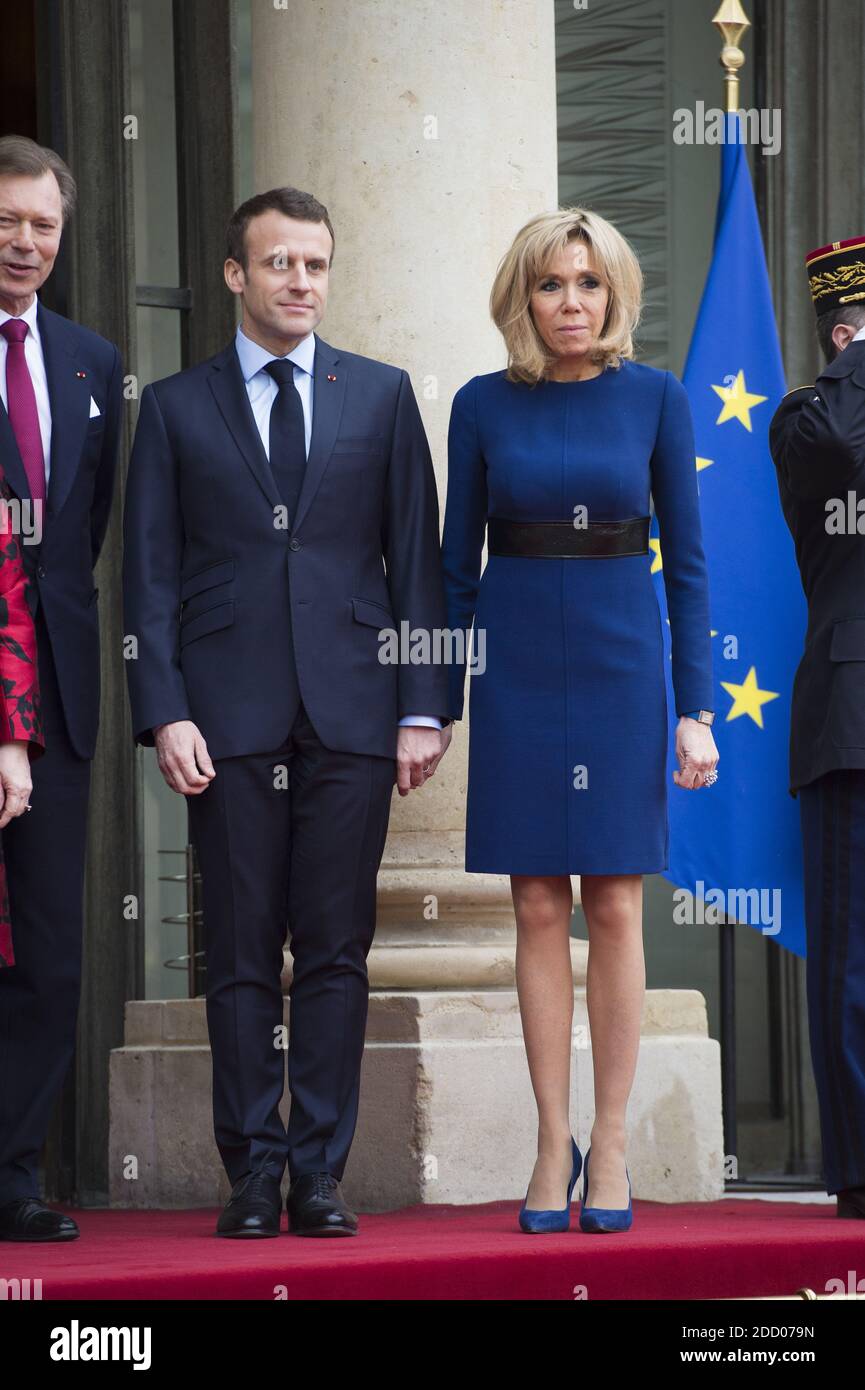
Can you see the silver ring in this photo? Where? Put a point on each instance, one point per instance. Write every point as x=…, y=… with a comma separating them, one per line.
x=427, y=768
x=710, y=778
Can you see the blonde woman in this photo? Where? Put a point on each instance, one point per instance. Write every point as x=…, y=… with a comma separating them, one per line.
x=554, y=459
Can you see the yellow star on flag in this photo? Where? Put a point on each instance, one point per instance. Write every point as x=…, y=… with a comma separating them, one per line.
x=657, y=562
x=738, y=402
x=748, y=698
x=703, y=463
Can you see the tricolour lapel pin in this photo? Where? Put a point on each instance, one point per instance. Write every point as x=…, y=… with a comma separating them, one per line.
x=81, y=375
x=331, y=377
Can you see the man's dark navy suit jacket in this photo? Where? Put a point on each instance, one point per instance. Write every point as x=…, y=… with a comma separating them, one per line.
x=233, y=612
x=79, y=366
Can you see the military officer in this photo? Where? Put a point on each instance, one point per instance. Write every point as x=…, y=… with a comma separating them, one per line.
x=817, y=439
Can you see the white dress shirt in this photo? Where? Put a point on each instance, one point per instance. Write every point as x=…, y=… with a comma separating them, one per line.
x=36, y=366
x=261, y=388
x=860, y=334
x=262, y=391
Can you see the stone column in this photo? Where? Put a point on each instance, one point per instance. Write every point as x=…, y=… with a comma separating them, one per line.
x=429, y=132
x=815, y=190
x=87, y=50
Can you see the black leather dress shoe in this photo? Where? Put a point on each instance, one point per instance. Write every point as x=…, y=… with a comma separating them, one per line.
x=851, y=1202
x=316, y=1207
x=253, y=1209
x=28, y=1218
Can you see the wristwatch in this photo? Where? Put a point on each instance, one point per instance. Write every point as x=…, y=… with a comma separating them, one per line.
x=702, y=716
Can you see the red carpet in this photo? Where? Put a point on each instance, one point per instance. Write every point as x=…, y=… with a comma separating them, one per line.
x=713, y=1250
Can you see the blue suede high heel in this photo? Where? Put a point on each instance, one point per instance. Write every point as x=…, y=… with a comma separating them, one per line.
x=544, y=1222
x=600, y=1219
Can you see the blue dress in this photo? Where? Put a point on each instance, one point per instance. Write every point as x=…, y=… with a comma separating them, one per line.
x=568, y=709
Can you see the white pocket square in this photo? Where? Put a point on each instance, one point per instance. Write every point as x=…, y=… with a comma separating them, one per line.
x=94, y=409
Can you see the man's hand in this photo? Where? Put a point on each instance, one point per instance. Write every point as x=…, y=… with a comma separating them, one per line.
x=419, y=751
x=183, y=757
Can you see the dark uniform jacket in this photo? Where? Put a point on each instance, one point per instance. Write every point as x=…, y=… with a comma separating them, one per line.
x=817, y=438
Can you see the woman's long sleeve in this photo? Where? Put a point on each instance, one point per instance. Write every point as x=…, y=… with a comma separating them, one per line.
x=464, y=527
x=677, y=507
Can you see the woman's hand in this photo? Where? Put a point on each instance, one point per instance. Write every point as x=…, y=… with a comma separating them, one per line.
x=16, y=782
x=696, y=751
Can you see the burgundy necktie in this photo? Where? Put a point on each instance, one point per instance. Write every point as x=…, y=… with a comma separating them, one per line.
x=21, y=406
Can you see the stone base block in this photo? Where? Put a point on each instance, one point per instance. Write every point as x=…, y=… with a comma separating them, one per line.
x=447, y=1113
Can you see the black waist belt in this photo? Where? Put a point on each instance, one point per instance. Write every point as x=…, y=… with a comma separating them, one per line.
x=552, y=540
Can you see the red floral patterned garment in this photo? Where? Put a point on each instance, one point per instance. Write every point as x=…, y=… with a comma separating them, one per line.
x=20, y=712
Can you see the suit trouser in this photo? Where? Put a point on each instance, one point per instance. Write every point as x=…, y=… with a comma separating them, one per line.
x=289, y=840
x=832, y=811
x=44, y=850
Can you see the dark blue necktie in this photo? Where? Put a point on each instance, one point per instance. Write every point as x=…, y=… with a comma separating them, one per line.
x=287, y=436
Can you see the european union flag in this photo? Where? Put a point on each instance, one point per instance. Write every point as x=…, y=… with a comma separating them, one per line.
x=740, y=838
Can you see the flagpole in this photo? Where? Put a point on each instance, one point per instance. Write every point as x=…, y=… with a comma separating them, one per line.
x=732, y=22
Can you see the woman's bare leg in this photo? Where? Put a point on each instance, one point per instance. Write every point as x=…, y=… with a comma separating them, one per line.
x=615, y=988
x=545, y=988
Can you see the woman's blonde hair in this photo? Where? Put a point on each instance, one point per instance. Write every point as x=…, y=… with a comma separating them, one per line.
x=529, y=358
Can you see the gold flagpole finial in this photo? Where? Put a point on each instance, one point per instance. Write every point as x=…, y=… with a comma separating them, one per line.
x=732, y=22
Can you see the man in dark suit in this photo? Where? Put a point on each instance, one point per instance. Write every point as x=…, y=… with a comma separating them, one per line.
x=817, y=439
x=62, y=394
x=281, y=511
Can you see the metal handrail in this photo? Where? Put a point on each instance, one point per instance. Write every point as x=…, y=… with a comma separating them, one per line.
x=193, y=959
